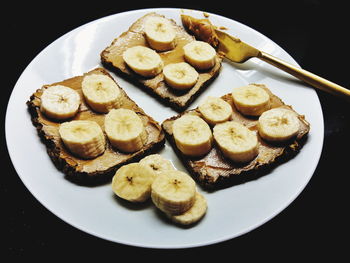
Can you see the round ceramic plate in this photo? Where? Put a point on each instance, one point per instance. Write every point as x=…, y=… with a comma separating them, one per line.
x=95, y=210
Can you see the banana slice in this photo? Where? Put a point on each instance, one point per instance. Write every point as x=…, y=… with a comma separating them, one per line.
x=101, y=92
x=59, y=102
x=194, y=214
x=83, y=138
x=215, y=110
x=192, y=135
x=160, y=34
x=251, y=100
x=180, y=75
x=125, y=130
x=157, y=163
x=173, y=192
x=133, y=182
x=236, y=141
x=278, y=125
x=200, y=54
x=143, y=61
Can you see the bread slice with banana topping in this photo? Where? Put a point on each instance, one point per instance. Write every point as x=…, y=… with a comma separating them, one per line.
x=153, y=43
x=245, y=147
x=78, y=144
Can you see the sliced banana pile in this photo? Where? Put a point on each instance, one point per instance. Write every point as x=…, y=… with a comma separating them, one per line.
x=172, y=191
x=194, y=213
x=160, y=35
x=175, y=194
x=133, y=181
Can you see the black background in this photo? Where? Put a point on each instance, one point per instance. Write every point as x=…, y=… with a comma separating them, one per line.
x=315, y=33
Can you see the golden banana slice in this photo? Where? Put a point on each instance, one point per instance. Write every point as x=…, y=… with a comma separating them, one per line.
x=157, y=163
x=278, y=125
x=192, y=135
x=101, y=92
x=173, y=192
x=236, y=141
x=194, y=214
x=125, y=130
x=200, y=54
x=180, y=75
x=83, y=138
x=215, y=110
x=251, y=100
x=59, y=102
x=143, y=60
x=160, y=33
x=133, y=182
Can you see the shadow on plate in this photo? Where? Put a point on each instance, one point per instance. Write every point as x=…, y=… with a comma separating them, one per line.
x=130, y=205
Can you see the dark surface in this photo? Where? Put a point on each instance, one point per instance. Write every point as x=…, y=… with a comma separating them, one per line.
x=315, y=224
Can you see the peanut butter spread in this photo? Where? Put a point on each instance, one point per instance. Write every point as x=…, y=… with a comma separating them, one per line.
x=201, y=28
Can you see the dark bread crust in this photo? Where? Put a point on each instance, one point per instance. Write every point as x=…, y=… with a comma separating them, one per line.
x=82, y=171
x=111, y=58
x=213, y=171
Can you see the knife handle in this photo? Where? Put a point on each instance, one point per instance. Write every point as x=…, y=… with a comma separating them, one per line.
x=306, y=76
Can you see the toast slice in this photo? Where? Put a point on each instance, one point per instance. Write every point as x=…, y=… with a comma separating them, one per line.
x=214, y=171
x=112, y=59
x=102, y=168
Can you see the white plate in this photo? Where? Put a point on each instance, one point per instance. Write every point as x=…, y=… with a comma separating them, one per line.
x=232, y=211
